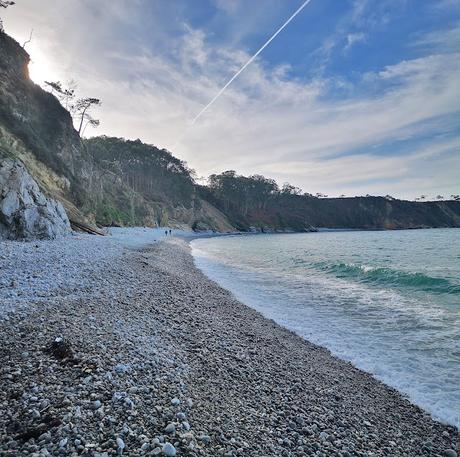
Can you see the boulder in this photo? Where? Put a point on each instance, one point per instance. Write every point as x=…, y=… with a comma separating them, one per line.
x=25, y=212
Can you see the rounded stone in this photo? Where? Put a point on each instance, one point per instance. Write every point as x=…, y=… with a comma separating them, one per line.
x=169, y=450
x=450, y=453
x=120, y=443
x=205, y=439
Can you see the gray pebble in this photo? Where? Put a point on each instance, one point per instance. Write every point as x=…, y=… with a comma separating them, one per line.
x=169, y=450
x=186, y=426
x=63, y=442
x=205, y=439
x=450, y=453
x=120, y=443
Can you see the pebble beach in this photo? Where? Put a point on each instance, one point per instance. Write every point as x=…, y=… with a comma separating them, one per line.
x=113, y=347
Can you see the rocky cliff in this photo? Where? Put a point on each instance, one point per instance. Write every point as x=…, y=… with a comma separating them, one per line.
x=257, y=203
x=25, y=213
x=36, y=130
x=32, y=120
x=368, y=213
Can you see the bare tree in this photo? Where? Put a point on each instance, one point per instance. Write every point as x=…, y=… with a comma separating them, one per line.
x=29, y=40
x=4, y=4
x=91, y=122
x=55, y=87
x=81, y=110
x=64, y=94
x=69, y=93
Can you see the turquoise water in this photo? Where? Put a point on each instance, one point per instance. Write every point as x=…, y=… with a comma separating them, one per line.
x=387, y=301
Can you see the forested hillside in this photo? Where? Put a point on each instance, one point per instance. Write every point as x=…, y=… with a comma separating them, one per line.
x=152, y=172
x=258, y=202
x=161, y=187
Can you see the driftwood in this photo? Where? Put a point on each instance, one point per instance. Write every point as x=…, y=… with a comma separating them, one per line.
x=82, y=227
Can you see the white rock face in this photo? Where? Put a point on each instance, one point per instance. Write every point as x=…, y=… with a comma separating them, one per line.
x=25, y=213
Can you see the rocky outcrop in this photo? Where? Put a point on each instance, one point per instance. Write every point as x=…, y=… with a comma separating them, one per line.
x=25, y=213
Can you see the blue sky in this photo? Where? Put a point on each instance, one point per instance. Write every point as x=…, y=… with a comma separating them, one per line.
x=353, y=97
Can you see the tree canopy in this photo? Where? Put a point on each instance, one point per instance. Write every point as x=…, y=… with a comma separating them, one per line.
x=155, y=173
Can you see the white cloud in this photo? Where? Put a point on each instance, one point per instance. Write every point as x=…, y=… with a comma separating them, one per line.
x=286, y=128
x=417, y=172
x=446, y=40
x=447, y=5
x=353, y=38
x=229, y=6
x=362, y=17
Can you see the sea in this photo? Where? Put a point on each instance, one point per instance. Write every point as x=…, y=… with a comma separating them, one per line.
x=387, y=301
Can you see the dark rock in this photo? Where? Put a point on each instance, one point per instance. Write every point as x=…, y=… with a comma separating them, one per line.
x=60, y=349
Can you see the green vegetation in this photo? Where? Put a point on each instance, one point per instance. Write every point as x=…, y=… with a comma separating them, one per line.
x=255, y=201
x=152, y=172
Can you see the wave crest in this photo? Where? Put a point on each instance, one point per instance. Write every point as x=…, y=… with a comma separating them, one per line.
x=389, y=276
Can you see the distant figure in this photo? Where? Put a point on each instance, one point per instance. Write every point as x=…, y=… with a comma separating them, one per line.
x=170, y=231
x=166, y=233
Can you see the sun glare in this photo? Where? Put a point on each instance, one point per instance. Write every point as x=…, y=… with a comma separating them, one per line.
x=38, y=73
x=40, y=69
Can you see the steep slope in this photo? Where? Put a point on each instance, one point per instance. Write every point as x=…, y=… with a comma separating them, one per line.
x=380, y=212
x=257, y=202
x=161, y=184
x=36, y=129
x=95, y=180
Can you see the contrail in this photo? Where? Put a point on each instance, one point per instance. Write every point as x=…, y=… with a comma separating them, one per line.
x=304, y=4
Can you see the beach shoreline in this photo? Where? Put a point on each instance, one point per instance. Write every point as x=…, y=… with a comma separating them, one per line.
x=160, y=353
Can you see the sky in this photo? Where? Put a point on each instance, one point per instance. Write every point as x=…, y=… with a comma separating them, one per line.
x=353, y=97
